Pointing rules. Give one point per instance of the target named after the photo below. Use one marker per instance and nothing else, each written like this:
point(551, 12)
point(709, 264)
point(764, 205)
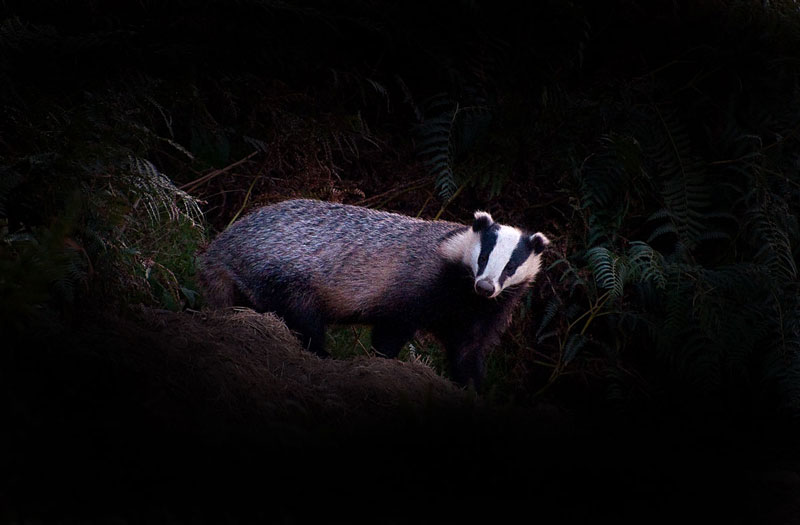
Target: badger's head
point(499, 256)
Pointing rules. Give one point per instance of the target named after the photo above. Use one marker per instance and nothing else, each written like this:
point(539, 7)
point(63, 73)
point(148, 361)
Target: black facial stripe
point(488, 240)
point(520, 254)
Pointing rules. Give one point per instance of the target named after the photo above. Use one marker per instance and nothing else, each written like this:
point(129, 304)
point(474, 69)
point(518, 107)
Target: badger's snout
point(484, 287)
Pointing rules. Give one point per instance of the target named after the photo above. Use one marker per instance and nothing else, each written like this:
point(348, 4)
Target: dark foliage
point(657, 143)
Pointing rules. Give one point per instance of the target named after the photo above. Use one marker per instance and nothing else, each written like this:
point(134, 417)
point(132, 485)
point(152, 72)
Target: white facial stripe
point(475, 252)
point(507, 240)
point(526, 272)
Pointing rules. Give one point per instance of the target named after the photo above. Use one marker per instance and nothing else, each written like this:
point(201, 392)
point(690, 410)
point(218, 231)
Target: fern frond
point(157, 192)
point(9, 180)
point(641, 264)
point(258, 144)
point(664, 229)
point(648, 264)
point(609, 269)
point(550, 311)
point(604, 179)
point(408, 98)
point(574, 344)
point(435, 145)
point(445, 135)
point(763, 221)
point(570, 274)
point(686, 190)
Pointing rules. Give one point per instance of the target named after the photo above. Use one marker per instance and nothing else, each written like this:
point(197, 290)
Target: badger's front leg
point(310, 324)
point(467, 362)
point(467, 351)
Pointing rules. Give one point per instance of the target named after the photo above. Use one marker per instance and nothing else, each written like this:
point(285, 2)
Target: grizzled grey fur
point(315, 263)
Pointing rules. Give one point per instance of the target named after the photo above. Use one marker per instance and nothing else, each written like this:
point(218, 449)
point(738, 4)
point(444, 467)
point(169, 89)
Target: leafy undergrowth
point(655, 143)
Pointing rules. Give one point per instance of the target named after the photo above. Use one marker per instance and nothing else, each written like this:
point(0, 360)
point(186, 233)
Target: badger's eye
point(483, 258)
point(510, 268)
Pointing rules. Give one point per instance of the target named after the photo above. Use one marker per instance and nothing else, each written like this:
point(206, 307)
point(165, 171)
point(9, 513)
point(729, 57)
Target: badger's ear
point(537, 242)
point(482, 221)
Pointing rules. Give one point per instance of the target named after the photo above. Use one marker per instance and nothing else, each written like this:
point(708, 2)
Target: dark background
point(653, 371)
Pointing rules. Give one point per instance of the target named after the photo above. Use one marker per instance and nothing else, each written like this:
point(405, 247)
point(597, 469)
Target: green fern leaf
point(550, 312)
point(574, 343)
point(608, 269)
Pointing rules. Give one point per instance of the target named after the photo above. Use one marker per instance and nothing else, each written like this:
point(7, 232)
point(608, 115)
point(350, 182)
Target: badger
point(314, 263)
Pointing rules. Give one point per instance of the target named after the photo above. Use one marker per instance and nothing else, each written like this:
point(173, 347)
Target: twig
point(545, 204)
point(244, 204)
point(451, 199)
point(386, 201)
point(394, 192)
point(558, 369)
point(357, 341)
point(424, 205)
point(190, 186)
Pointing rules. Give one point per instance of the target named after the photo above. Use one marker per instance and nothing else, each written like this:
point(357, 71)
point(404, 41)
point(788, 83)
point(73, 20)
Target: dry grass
point(238, 367)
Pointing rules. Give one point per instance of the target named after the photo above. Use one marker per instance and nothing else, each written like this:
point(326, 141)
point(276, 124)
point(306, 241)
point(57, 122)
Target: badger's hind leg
point(388, 339)
point(221, 289)
point(310, 324)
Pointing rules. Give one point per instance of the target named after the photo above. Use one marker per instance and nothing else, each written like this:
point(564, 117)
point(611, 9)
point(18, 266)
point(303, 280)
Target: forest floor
point(222, 416)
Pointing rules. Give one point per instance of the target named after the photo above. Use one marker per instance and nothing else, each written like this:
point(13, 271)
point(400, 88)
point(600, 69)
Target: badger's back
point(349, 262)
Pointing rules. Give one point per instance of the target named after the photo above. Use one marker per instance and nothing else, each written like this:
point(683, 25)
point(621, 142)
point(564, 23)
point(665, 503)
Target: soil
point(209, 417)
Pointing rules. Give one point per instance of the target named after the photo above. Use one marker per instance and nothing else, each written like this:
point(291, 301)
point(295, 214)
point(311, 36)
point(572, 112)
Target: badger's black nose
point(484, 288)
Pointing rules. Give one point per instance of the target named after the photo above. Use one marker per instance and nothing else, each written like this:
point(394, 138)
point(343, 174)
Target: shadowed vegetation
point(657, 144)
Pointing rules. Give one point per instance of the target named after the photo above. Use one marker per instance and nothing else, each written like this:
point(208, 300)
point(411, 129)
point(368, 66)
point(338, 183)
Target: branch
point(190, 186)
